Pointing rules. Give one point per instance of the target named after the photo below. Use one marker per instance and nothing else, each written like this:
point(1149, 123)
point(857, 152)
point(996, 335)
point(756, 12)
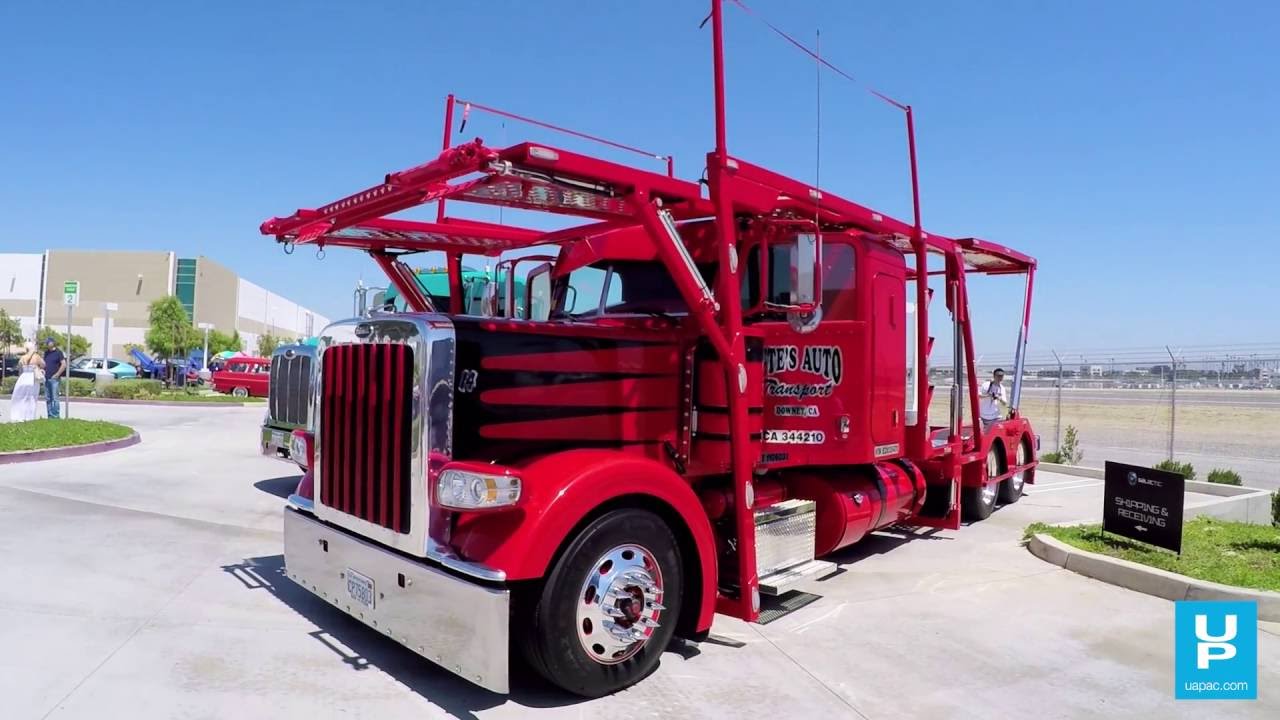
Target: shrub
point(79, 387)
point(1184, 469)
point(1070, 451)
point(132, 389)
point(1051, 457)
point(1224, 476)
point(121, 391)
point(1275, 508)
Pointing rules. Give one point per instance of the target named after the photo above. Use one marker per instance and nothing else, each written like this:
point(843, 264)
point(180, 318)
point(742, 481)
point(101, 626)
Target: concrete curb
point(1149, 580)
point(21, 456)
point(154, 403)
point(1076, 470)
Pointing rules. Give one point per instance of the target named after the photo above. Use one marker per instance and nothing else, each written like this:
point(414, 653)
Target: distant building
point(31, 290)
point(1091, 371)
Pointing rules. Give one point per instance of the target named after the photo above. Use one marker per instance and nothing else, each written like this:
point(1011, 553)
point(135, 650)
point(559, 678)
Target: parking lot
point(146, 583)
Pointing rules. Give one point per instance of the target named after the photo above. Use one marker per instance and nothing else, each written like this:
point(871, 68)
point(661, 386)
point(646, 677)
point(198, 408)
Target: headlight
point(470, 490)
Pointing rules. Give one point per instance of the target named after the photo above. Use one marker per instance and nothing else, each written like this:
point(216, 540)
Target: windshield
point(620, 288)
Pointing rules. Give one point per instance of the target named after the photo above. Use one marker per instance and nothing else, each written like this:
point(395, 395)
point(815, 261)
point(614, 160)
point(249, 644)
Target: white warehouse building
point(31, 287)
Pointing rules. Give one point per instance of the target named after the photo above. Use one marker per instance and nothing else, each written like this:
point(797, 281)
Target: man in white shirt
point(993, 401)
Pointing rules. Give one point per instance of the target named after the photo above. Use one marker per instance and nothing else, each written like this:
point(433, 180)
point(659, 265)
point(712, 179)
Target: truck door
point(888, 343)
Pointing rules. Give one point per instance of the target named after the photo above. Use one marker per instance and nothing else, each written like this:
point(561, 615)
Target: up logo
point(1211, 647)
point(1216, 650)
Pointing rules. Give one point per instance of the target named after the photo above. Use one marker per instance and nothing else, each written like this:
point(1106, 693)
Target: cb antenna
point(817, 154)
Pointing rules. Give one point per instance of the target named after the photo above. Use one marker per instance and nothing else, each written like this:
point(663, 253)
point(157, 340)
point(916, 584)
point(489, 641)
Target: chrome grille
point(289, 390)
point(366, 412)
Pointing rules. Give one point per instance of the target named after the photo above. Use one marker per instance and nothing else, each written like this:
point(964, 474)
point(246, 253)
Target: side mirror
point(537, 293)
point(481, 297)
point(806, 272)
point(806, 283)
point(488, 299)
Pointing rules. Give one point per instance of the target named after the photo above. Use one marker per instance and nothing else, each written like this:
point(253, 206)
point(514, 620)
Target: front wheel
point(240, 392)
point(609, 606)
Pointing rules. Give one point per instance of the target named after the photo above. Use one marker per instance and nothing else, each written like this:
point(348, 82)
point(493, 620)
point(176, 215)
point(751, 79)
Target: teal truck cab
point(289, 399)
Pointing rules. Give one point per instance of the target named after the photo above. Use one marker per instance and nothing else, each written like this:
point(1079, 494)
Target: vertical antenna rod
point(717, 65)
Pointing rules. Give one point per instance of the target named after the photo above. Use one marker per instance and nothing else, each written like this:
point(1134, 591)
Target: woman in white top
point(26, 392)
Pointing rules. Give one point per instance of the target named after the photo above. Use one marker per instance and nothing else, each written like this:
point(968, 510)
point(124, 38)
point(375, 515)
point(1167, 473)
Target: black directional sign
point(1144, 504)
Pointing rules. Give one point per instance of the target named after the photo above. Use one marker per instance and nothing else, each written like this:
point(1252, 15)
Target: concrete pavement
point(146, 583)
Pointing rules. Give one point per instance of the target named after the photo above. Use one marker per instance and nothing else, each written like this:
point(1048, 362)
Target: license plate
point(795, 437)
point(360, 588)
point(277, 439)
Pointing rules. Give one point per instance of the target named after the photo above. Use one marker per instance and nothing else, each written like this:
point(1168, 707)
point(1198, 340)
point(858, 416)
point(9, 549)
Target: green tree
point(79, 343)
point(10, 335)
point(222, 342)
point(267, 344)
point(171, 334)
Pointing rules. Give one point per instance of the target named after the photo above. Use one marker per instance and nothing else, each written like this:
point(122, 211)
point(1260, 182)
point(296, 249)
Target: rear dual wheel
point(1011, 489)
point(603, 616)
point(977, 503)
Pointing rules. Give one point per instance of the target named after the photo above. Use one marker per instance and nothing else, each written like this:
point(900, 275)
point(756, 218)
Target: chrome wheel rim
point(1019, 477)
point(619, 605)
point(993, 469)
point(240, 392)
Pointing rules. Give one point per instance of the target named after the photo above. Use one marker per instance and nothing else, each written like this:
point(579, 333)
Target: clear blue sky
point(1132, 147)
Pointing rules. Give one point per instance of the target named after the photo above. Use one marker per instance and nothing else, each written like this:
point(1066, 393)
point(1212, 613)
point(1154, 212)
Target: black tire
point(978, 502)
point(1011, 489)
point(549, 623)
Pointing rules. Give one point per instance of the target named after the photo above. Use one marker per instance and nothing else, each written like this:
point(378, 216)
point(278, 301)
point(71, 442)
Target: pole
point(66, 377)
point(1173, 400)
point(106, 335)
point(206, 349)
point(1057, 428)
point(720, 176)
point(923, 397)
point(444, 144)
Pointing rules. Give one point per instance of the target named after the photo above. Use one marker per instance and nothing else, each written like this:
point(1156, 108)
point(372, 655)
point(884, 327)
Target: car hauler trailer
point(585, 480)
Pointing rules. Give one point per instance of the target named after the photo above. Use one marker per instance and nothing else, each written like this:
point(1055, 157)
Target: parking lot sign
point(71, 293)
point(1143, 504)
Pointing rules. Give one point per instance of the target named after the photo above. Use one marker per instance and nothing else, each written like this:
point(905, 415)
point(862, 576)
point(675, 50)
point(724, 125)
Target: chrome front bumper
point(275, 442)
point(460, 625)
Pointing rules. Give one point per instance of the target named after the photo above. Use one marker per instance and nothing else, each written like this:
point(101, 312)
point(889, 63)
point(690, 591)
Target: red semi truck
point(702, 396)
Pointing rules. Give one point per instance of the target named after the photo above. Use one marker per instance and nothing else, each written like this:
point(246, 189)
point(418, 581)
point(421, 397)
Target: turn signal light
point(300, 448)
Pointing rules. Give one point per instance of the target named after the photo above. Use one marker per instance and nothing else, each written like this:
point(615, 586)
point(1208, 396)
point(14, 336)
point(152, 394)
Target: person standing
point(22, 405)
point(55, 366)
point(993, 399)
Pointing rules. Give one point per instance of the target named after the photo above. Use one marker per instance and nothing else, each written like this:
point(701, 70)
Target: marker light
point(300, 448)
point(470, 490)
point(542, 153)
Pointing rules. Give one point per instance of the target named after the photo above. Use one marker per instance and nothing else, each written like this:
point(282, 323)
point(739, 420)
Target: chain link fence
point(1213, 412)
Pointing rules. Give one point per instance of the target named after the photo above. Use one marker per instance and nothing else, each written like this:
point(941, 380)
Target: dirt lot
point(1236, 429)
